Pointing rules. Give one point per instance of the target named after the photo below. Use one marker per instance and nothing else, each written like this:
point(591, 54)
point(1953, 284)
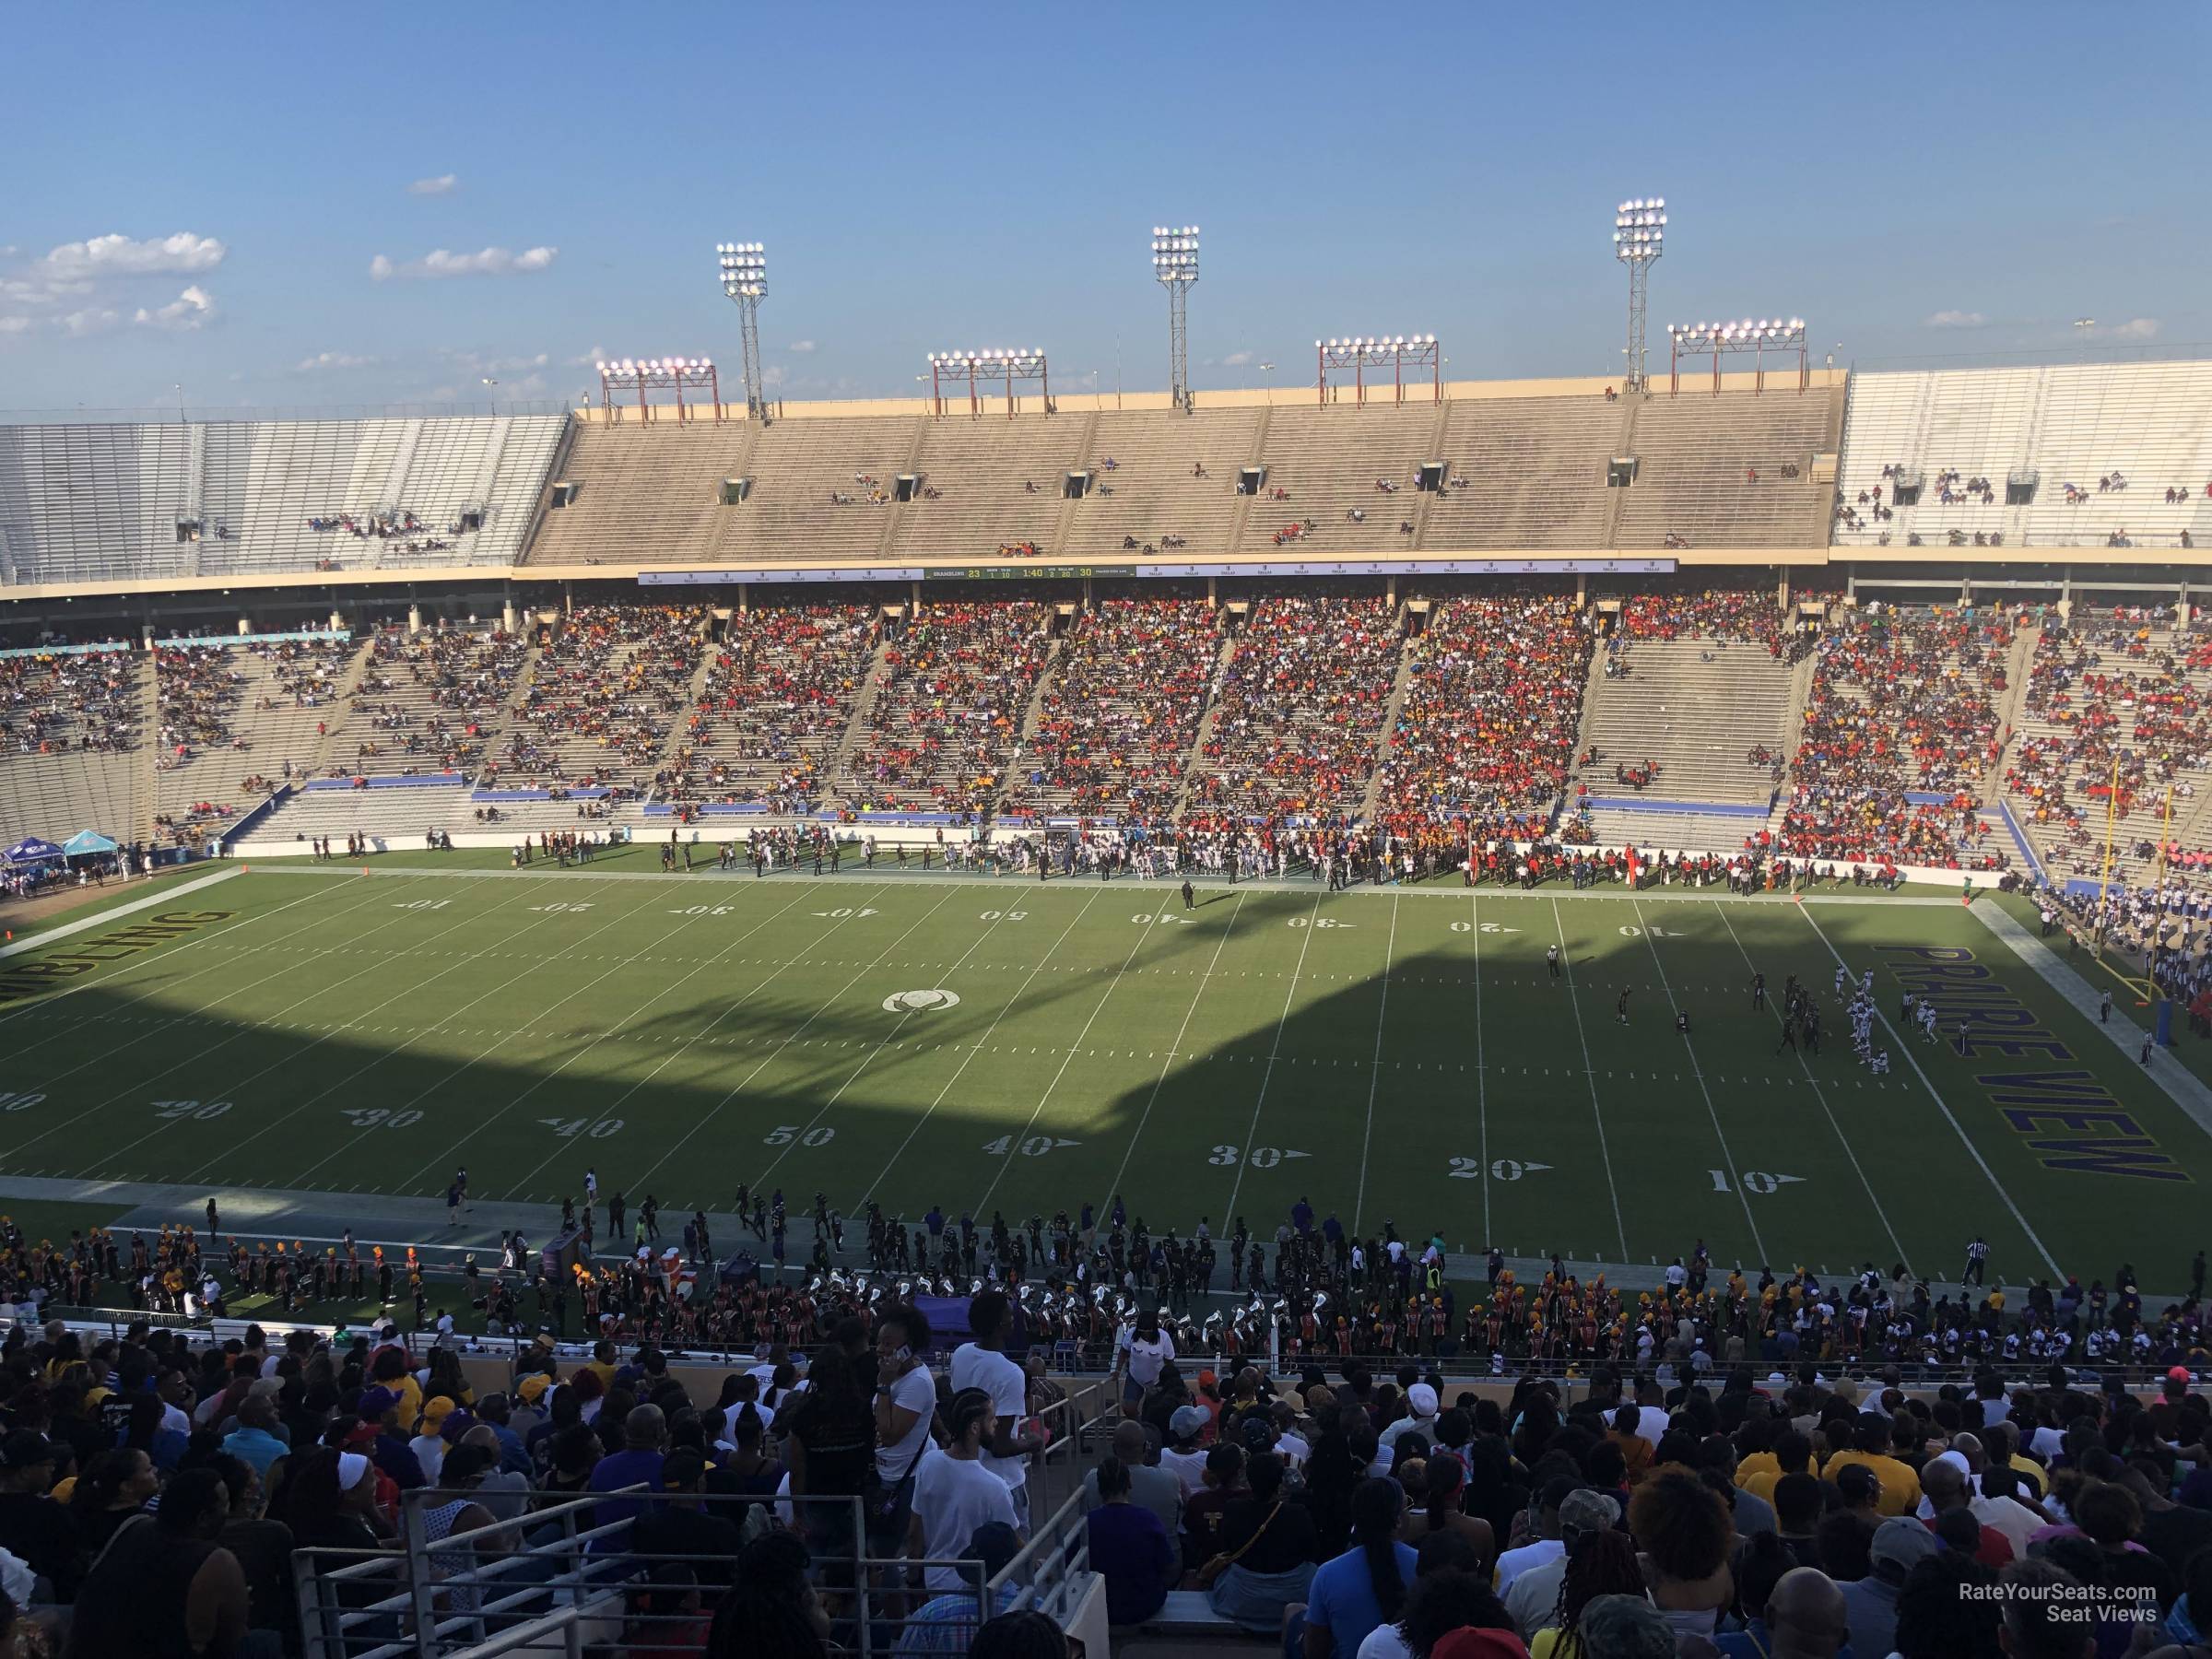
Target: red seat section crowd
point(948, 709)
point(1486, 732)
point(1114, 734)
point(1901, 702)
point(1300, 708)
point(607, 690)
point(777, 700)
point(1712, 614)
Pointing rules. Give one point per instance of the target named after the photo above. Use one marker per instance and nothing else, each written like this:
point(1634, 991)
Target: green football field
point(1390, 1055)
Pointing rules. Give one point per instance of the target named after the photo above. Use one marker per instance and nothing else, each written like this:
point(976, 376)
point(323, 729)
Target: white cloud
point(192, 309)
point(116, 255)
point(1956, 319)
point(774, 375)
point(92, 320)
point(586, 359)
point(2135, 328)
point(14, 324)
point(1237, 360)
point(801, 347)
point(443, 185)
point(326, 361)
point(443, 262)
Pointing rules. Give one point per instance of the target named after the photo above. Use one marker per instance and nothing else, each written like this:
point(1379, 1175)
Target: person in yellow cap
point(428, 1444)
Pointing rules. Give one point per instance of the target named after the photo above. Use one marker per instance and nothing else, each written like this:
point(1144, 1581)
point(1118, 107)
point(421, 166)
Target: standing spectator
point(955, 1492)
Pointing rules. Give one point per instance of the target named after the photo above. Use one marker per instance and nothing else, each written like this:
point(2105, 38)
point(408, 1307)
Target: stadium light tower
point(744, 281)
point(1175, 263)
point(1639, 238)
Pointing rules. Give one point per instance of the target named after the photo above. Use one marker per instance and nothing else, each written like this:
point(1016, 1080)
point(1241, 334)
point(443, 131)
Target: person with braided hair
point(1601, 1563)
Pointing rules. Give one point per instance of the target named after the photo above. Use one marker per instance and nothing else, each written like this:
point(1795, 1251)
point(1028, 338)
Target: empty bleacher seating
point(1151, 494)
point(1696, 455)
point(1524, 471)
point(1333, 461)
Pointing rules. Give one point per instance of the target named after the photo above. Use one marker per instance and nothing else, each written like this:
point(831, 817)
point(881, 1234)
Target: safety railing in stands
point(561, 1576)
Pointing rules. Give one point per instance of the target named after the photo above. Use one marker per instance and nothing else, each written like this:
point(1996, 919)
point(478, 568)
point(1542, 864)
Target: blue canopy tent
point(86, 841)
point(31, 850)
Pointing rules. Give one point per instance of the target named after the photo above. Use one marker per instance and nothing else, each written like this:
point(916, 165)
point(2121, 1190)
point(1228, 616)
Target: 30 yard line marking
point(78, 1120)
point(1374, 1072)
point(424, 1094)
point(974, 1049)
point(776, 1046)
point(1821, 1095)
point(1305, 937)
point(1589, 1076)
point(1175, 1048)
point(1942, 1106)
point(110, 1050)
point(1697, 1071)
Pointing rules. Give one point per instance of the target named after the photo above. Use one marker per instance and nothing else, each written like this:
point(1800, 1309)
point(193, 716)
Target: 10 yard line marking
point(1944, 1106)
point(777, 1046)
point(1590, 1075)
point(976, 1048)
point(1175, 1048)
point(1374, 1072)
point(1267, 1076)
point(1697, 1071)
point(1819, 1094)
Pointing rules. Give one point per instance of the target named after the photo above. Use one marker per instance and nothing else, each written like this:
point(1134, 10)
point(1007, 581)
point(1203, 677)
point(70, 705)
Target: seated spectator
point(1129, 1548)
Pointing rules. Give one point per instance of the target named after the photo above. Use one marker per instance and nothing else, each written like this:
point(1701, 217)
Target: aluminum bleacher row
point(91, 502)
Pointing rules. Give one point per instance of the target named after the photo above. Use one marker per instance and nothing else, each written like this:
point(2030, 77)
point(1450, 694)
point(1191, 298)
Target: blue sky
point(318, 207)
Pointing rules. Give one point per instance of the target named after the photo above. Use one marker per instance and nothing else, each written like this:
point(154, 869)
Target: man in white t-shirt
point(955, 1492)
point(981, 1364)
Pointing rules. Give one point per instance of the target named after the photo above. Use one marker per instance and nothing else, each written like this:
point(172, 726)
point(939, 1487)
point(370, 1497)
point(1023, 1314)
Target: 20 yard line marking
point(1589, 1076)
point(1374, 1074)
point(1696, 1071)
point(974, 1049)
point(1305, 937)
point(1176, 1047)
point(1821, 1095)
point(1942, 1106)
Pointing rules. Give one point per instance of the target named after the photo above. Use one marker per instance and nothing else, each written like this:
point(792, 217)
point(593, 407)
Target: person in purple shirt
point(645, 1437)
point(1130, 1548)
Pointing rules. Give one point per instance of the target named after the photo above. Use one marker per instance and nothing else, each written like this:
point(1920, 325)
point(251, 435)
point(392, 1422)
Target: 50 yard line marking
point(1821, 1095)
point(1175, 1048)
point(1942, 1106)
point(776, 1050)
point(976, 1048)
point(1305, 938)
point(1374, 1070)
point(1590, 1075)
point(1698, 1072)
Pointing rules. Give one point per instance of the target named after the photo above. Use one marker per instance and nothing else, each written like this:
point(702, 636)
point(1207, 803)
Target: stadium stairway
point(1373, 798)
point(1696, 718)
point(678, 736)
point(1195, 762)
point(864, 706)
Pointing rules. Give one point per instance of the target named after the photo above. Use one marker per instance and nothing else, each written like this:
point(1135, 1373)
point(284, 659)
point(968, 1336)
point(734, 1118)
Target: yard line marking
point(1944, 1106)
point(727, 1011)
point(974, 1049)
point(1374, 1074)
point(1698, 1072)
point(1175, 1047)
point(1590, 1076)
point(1482, 1091)
point(775, 1046)
point(151, 959)
point(242, 1030)
point(1305, 937)
point(547, 1078)
point(198, 1008)
point(1112, 985)
point(347, 1145)
point(1804, 1066)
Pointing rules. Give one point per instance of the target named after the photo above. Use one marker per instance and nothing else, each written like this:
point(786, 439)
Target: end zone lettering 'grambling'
point(32, 975)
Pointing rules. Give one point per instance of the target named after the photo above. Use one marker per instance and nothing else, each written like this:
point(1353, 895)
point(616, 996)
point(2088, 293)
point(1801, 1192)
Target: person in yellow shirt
point(1900, 1485)
point(1792, 1454)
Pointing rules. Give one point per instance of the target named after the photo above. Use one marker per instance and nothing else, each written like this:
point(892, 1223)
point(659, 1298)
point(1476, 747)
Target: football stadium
point(692, 1017)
